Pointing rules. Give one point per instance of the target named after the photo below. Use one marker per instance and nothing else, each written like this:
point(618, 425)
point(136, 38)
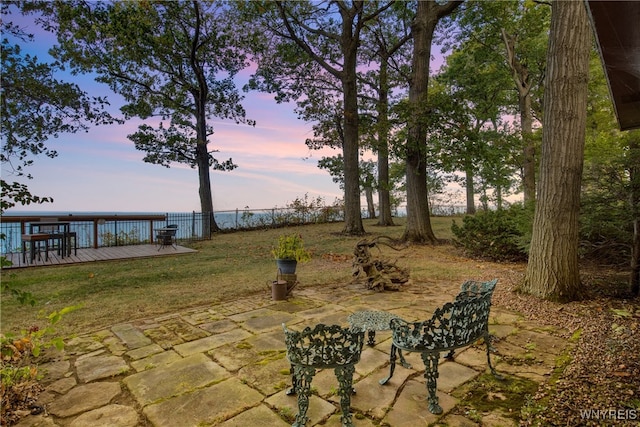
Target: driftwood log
point(380, 274)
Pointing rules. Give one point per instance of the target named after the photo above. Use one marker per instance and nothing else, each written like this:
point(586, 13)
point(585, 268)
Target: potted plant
point(289, 252)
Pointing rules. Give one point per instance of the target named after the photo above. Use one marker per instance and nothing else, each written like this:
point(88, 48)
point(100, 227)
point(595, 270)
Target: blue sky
point(102, 171)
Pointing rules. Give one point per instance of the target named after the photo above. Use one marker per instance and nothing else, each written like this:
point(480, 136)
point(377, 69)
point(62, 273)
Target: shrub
point(291, 246)
point(502, 235)
point(19, 374)
point(606, 228)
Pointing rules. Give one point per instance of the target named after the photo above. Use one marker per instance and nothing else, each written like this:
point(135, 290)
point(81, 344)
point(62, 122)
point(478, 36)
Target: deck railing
point(94, 231)
point(91, 230)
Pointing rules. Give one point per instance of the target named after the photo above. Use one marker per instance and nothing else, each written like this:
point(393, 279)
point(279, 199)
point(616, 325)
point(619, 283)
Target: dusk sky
point(102, 171)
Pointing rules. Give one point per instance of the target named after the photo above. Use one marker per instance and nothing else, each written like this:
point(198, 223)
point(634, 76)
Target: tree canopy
point(171, 61)
point(36, 106)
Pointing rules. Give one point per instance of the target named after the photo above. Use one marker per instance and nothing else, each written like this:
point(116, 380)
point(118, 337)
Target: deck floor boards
point(100, 254)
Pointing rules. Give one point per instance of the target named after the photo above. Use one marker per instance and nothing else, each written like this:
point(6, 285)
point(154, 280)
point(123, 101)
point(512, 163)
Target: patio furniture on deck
point(167, 236)
point(56, 236)
point(35, 240)
point(59, 233)
point(323, 347)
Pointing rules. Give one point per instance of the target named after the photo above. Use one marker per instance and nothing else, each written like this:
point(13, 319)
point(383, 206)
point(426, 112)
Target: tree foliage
point(172, 61)
point(326, 37)
point(470, 99)
point(512, 35)
point(384, 79)
point(36, 106)
point(610, 204)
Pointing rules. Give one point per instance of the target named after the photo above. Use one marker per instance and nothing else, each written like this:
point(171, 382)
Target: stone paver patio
point(226, 365)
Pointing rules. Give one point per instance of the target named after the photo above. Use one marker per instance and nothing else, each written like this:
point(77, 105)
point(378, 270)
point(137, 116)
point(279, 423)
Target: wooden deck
point(100, 254)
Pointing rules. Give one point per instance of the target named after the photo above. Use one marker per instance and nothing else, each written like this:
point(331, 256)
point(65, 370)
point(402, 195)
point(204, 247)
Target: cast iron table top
point(371, 321)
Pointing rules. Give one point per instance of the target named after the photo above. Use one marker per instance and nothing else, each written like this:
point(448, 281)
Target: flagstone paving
point(226, 365)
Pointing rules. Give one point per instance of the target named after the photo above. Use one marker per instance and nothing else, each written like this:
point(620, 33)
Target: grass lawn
point(601, 371)
point(228, 266)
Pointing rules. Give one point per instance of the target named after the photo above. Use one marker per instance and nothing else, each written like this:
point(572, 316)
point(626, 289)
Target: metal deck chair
point(167, 236)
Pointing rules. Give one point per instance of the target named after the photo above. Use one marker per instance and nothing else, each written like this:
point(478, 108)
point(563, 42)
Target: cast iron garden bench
point(323, 347)
point(454, 325)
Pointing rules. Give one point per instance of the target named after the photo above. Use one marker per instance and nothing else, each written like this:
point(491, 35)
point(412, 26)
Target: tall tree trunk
point(384, 196)
point(418, 227)
point(204, 189)
point(553, 272)
point(371, 208)
point(468, 182)
point(352, 215)
point(202, 150)
point(202, 162)
point(528, 150)
point(349, 45)
point(634, 201)
point(520, 75)
point(484, 199)
point(349, 40)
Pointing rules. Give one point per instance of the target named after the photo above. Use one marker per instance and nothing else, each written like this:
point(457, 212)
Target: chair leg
point(345, 381)
point(294, 382)
point(431, 376)
point(304, 375)
point(487, 340)
point(403, 362)
point(392, 365)
point(36, 247)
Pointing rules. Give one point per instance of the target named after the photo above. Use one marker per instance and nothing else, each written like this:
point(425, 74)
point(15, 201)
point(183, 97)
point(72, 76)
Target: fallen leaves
point(605, 368)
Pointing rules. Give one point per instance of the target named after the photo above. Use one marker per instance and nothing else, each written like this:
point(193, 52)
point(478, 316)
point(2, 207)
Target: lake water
point(124, 232)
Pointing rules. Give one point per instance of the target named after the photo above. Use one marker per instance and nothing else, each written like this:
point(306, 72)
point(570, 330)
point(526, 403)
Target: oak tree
point(418, 228)
point(172, 62)
point(512, 34)
point(385, 53)
point(327, 35)
point(552, 271)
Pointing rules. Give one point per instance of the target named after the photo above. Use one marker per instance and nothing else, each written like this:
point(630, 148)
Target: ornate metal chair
point(456, 324)
point(472, 288)
point(323, 347)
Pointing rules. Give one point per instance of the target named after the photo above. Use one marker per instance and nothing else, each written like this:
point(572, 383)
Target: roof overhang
point(616, 26)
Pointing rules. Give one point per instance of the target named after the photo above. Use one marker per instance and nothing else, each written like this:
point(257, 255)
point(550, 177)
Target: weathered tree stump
point(381, 274)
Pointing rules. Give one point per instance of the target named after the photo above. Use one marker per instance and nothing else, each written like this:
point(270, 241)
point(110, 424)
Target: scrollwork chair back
point(456, 324)
point(323, 347)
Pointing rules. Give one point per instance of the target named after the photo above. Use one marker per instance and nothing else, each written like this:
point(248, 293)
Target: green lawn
point(229, 266)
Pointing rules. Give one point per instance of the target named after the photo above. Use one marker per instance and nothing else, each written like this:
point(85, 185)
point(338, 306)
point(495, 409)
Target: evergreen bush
point(502, 235)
